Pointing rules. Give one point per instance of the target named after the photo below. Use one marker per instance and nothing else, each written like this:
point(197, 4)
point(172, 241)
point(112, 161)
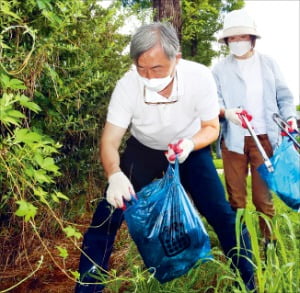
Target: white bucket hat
point(238, 22)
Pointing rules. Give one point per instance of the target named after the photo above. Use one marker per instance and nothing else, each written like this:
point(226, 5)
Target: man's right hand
point(119, 188)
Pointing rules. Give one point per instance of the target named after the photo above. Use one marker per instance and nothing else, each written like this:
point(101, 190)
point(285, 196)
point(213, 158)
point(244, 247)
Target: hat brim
point(236, 31)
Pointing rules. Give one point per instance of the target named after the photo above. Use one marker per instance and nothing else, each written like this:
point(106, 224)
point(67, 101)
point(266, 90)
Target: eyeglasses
point(162, 103)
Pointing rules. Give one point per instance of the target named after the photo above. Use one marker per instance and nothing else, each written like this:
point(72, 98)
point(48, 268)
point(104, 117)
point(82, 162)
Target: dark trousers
point(199, 178)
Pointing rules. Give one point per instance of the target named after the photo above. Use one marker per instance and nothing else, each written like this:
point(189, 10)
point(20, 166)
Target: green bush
point(69, 57)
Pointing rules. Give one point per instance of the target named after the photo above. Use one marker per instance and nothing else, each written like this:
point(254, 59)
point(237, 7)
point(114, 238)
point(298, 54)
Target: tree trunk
point(168, 10)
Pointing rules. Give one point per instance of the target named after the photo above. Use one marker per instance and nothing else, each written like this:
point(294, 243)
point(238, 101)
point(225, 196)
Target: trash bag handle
point(284, 126)
point(176, 169)
point(267, 161)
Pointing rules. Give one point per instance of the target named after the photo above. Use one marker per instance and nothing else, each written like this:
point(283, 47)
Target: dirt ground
point(27, 258)
point(18, 263)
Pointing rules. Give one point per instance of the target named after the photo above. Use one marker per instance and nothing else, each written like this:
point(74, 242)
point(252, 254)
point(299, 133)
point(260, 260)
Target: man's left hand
point(180, 149)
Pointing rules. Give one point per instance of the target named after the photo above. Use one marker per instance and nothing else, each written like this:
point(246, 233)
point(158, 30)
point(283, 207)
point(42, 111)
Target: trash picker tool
point(281, 172)
point(267, 161)
point(284, 127)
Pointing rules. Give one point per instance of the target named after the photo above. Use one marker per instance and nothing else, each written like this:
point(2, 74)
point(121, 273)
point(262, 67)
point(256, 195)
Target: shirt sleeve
point(208, 106)
point(119, 109)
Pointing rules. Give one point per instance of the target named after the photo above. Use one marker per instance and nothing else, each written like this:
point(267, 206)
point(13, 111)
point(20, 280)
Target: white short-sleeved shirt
point(158, 125)
point(250, 69)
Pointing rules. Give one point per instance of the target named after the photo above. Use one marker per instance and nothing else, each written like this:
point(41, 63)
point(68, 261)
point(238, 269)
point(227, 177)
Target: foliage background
point(65, 57)
point(60, 61)
point(76, 61)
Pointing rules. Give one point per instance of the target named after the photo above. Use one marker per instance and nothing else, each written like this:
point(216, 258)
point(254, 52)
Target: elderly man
point(170, 106)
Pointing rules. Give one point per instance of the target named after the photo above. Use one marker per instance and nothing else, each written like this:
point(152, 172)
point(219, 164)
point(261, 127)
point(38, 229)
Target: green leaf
point(26, 136)
point(13, 83)
point(42, 194)
point(63, 252)
point(71, 231)
point(49, 165)
point(8, 115)
point(8, 120)
point(39, 159)
point(4, 79)
point(26, 210)
point(61, 195)
point(4, 46)
point(29, 171)
point(15, 114)
point(6, 101)
point(25, 102)
point(41, 176)
point(54, 19)
point(58, 195)
point(75, 274)
point(42, 4)
point(54, 198)
point(16, 84)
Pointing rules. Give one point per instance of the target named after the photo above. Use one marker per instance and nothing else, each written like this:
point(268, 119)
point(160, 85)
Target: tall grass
point(277, 268)
point(276, 272)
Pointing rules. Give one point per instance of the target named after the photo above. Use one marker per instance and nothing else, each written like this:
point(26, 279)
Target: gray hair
point(149, 35)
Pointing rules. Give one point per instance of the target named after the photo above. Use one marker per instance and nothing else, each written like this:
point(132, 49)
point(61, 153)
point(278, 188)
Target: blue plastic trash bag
point(166, 228)
point(285, 180)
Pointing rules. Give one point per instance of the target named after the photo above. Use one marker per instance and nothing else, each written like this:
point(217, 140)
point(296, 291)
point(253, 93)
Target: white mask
point(156, 84)
point(240, 48)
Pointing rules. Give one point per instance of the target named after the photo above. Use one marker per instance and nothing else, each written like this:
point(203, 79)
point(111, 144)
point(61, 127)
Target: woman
point(251, 82)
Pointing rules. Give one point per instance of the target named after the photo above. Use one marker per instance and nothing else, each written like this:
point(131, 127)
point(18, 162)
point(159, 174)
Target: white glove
point(231, 115)
point(181, 150)
point(119, 188)
point(293, 123)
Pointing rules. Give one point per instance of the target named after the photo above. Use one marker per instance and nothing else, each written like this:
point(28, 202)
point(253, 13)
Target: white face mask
point(156, 84)
point(240, 48)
